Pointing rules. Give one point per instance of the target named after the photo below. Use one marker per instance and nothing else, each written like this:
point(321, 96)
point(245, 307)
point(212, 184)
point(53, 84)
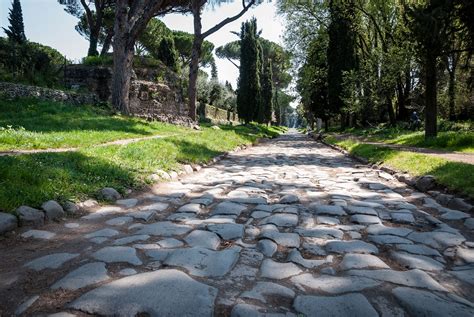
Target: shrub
point(30, 63)
point(106, 60)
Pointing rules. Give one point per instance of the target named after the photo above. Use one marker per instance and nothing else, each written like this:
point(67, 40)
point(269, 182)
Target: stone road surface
point(286, 228)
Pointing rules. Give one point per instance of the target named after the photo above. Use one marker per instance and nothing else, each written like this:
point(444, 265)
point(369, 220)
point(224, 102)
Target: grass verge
point(453, 175)
point(459, 141)
point(35, 178)
point(35, 124)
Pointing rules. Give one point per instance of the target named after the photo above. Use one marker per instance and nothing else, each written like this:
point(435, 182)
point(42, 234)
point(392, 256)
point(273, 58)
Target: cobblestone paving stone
point(286, 228)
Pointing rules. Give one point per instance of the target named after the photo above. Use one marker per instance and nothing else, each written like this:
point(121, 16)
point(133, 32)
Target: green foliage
point(96, 22)
point(30, 63)
point(341, 54)
point(249, 89)
point(267, 92)
point(156, 30)
point(167, 53)
point(16, 30)
point(106, 60)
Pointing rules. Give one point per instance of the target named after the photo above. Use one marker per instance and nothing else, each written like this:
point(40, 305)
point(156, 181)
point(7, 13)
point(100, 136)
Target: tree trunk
point(391, 113)
point(452, 91)
point(107, 43)
point(93, 41)
point(430, 96)
point(326, 125)
point(123, 58)
point(194, 64)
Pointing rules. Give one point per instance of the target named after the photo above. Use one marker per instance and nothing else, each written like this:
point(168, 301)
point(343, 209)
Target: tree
point(94, 13)
point(196, 7)
point(341, 51)
point(429, 25)
point(267, 92)
point(248, 92)
point(167, 53)
point(16, 29)
point(131, 18)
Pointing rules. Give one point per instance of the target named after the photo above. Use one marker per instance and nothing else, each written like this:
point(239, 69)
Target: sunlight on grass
point(36, 124)
point(450, 174)
point(76, 175)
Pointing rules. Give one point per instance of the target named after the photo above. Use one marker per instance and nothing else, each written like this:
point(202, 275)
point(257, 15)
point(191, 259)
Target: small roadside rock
point(70, 207)
point(52, 210)
point(425, 183)
point(30, 216)
point(8, 222)
point(110, 194)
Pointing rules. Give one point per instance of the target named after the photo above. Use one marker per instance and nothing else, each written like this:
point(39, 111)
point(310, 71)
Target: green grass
point(33, 179)
point(450, 174)
point(461, 140)
point(35, 124)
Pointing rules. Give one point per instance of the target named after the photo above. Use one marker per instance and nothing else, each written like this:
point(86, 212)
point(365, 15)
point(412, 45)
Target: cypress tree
point(248, 93)
point(167, 53)
point(341, 53)
point(267, 92)
point(16, 30)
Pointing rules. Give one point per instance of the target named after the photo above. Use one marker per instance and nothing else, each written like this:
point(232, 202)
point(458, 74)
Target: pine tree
point(16, 30)
point(267, 92)
point(249, 79)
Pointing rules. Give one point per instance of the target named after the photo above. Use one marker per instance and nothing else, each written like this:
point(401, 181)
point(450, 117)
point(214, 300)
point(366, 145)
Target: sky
point(47, 23)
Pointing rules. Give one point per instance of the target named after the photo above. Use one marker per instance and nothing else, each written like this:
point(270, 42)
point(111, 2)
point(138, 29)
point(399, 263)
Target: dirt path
point(74, 149)
point(286, 228)
point(467, 158)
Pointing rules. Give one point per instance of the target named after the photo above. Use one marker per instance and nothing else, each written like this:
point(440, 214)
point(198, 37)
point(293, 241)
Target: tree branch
point(218, 26)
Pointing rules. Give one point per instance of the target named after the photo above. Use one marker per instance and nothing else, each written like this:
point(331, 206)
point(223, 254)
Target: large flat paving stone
point(228, 208)
point(424, 303)
point(286, 239)
point(227, 231)
point(362, 261)
point(466, 276)
point(38, 234)
point(415, 261)
point(203, 238)
point(334, 284)
point(117, 254)
point(281, 220)
point(278, 271)
point(158, 293)
point(107, 232)
point(350, 305)
point(86, 275)
point(365, 219)
point(52, 261)
point(437, 239)
point(379, 229)
point(321, 232)
point(165, 229)
point(331, 210)
point(414, 278)
point(203, 262)
point(267, 289)
point(353, 246)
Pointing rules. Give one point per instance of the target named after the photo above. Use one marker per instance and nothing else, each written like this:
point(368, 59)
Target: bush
point(30, 63)
point(106, 60)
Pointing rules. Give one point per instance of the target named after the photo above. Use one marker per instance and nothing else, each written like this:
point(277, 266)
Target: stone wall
point(217, 115)
point(12, 90)
point(155, 92)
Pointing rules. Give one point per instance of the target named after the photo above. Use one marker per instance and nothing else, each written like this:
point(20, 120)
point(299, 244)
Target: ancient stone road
point(286, 228)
